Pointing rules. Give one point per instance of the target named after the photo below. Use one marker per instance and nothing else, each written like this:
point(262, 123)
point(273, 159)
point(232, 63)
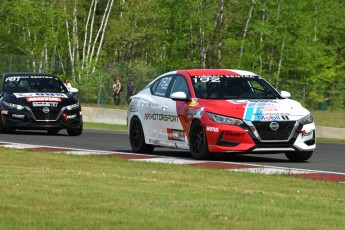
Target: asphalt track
point(327, 157)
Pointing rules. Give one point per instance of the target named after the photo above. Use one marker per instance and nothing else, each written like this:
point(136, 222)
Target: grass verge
point(93, 125)
point(329, 118)
point(56, 191)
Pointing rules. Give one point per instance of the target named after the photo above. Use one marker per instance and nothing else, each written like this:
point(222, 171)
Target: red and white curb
point(229, 166)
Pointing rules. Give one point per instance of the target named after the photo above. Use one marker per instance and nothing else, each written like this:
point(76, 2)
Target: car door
point(155, 111)
point(162, 119)
point(176, 134)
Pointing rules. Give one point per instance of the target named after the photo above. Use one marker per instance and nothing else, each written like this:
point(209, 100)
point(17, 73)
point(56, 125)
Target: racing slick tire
point(198, 142)
point(137, 137)
point(2, 128)
point(75, 131)
point(299, 156)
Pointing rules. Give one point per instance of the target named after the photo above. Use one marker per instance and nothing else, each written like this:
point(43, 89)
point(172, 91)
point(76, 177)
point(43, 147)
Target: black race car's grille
point(52, 115)
point(267, 134)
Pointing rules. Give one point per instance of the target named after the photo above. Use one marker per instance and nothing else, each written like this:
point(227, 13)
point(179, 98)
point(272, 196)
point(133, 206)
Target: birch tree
point(94, 34)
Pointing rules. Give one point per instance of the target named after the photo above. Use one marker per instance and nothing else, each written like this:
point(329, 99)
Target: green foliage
point(296, 45)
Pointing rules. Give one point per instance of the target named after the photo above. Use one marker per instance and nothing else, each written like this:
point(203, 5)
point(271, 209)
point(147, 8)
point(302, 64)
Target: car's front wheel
point(75, 131)
point(137, 137)
point(198, 142)
point(2, 128)
point(299, 156)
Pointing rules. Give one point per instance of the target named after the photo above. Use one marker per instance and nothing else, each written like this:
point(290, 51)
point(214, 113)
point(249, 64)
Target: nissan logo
point(274, 126)
point(45, 110)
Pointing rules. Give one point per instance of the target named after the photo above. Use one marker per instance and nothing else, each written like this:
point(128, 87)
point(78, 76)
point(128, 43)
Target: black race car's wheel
point(75, 131)
point(198, 142)
point(2, 128)
point(137, 137)
point(53, 131)
point(299, 156)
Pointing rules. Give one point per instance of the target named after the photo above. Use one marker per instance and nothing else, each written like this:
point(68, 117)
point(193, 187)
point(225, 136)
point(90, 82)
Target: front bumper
point(26, 120)
point(258, 138)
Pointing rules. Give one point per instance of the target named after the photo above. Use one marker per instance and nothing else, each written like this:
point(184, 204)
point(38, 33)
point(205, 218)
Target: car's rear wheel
point(75, 131)
point(137, 137)
point(198, 142)
point(299, 156)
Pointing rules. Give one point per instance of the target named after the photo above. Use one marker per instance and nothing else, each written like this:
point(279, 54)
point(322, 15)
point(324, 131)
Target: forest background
point(296, 45)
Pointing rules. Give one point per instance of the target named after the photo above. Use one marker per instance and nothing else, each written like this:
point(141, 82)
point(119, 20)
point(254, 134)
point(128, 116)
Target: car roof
point(26, 74)
point(200, 72)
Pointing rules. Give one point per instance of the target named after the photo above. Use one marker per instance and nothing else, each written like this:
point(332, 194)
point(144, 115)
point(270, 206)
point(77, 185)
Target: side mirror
point(179, 96)
point(74, 90)
point(285, 94)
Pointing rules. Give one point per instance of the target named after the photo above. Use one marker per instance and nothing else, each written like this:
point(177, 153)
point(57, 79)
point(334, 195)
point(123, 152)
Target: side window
point(161, 86)
point(180, 84)
point(257, 87)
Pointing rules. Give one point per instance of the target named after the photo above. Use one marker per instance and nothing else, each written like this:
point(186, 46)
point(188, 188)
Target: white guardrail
point(118, 116)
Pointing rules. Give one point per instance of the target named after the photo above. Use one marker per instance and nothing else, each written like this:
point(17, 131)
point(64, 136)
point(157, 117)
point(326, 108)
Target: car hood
point(256, 110)
point(26, 99)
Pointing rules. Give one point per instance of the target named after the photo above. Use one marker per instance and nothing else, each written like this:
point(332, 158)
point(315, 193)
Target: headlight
point(223, 119)
point(13, 106)
point(307, 119)
point(72, 107)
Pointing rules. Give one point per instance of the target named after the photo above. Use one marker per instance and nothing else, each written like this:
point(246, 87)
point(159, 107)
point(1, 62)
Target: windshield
point(25, 83)
point(233, 87)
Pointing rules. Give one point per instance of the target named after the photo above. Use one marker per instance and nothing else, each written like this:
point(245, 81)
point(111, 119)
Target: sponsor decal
point(161, 117)
point(175, 135)
point(154, 141)
point(17, 78)
point(44, 104)
point(305, 134)
point(264, 101)
point(71, 116)
point(263, 110)
point(268, 109)
point(18, 116)
point(32, 99)
point(216, 78)
point(234, 134)
point(194, 102)
point(212, 129)
point(20, 95)
point(270, 118)
point(198, 113)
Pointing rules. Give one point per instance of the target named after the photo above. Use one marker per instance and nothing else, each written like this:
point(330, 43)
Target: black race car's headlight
point(223, 119)
point(72, 107)
point(307, 119)
point(13, 106)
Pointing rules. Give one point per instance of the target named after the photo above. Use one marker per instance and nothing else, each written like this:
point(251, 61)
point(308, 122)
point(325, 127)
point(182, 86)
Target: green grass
point(93, 125)
point(329, 118)
point(56, 191)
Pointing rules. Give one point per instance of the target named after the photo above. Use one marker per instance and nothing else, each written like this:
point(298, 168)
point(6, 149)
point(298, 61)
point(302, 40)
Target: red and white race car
point(219, 111)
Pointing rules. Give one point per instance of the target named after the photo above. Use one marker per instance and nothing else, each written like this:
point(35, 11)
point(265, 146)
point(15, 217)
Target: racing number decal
point(206, 79)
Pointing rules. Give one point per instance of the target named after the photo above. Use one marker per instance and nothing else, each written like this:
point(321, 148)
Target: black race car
point(38, 101)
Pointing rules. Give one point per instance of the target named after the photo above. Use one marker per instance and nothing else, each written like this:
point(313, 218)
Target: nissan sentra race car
point(219, 111)
point(38, 101)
